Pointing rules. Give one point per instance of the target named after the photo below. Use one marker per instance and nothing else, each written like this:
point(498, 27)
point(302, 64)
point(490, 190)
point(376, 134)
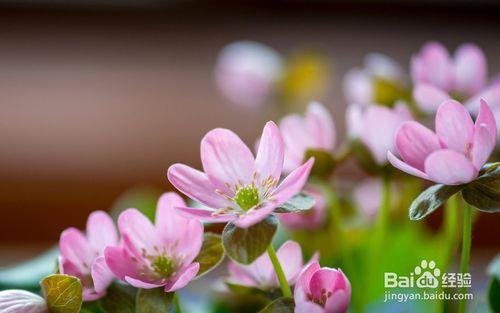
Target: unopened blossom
point(314, 131)
point(381, 81)
point(261, 274)
point(159, 255)
point(310, 219)
point(454, 153)
point(322, 290)
point(438, 76)
point(236, 185)
point(82, 255)
point(247, 72)
point(21, 301)
point(375, 126)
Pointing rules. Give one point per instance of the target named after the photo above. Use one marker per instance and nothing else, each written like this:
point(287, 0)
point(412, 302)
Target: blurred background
point(97, 97)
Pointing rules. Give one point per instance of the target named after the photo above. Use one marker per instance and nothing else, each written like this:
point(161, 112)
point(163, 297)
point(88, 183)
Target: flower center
point(164, 266)
point(322, 300)
point(247, 197)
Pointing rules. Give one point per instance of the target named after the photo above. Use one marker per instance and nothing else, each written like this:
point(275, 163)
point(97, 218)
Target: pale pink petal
point(205, 215)
point(290, 257)
point(454, 126)
point(69, 268)
point(450, 168)
point(295, 136)
point(302, 286)
point(182, 278)
point(308, 307)
point(195, 184)
point(382, 66)
point(320, 125)
point(226, 159)
point(254, 216)
point(101, 275)
point(415, 142)
point(270, 155)
point(482, 146)
point(337, 303)
point(74, 247)
point(101, 231)
point(486, 118)
point(433, 66)
point(429, 97)
point(120, 262)
point(91, 295)
point(293, 183)
point(367, 196)
point(262, 271)
point(357, 86)
point(470, 69)
point(137, 231)
point(238, 275)
point(141, 284)
point(490, 94)
point(354, 120)
point(21, 301)
point(397, 163)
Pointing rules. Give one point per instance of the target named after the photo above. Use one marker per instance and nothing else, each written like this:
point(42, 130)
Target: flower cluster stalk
point(466, 247)
point(285, 289)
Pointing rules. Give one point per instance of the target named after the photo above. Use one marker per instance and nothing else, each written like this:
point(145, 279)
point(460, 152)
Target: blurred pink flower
point(375, 126)
point(261, 273)
point(310, 219)
point(316, 130)
point(359, 83)
point(237, 186)
point(368, 196)
point(82, 255)
point(21, 301)
point(455, 153)
point(246, 72)
point(159, 255)
point(322, 290)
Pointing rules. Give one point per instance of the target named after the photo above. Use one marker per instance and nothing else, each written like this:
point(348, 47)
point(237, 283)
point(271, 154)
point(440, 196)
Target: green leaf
point(431, 199)
point(324, 163)
point(494, 267)
point(63, 293)
point(244, 245)
point(484, 192)
point(281, 305)
point(298, 203)
point(211, 253)
point(494, 295)
point(153, 301)
point(119, 298)
point(91, 307)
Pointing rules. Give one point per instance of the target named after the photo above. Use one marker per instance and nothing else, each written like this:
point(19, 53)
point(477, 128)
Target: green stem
point(466, 245)
point(383, 215)
point(285, 289)
point(177, 303)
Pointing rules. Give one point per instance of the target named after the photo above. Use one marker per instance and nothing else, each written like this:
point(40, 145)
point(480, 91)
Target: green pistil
point(247, 197)
point(164, 266)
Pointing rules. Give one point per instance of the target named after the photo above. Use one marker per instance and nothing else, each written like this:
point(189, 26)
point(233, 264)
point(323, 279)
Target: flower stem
point(383, 216)
point(466, 245)
point(285, 289)
point(177, 303)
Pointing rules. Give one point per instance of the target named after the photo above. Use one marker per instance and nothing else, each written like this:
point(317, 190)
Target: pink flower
point(437, 75)
point(359, 84)
point(322, 290)
point(159, 255)
point(261, 274)
point(246, 72)
point(316, 131)
point(310, 219)
point(20, 301)
point(368, 194)
point(455, 153)
point(237, 186)
point(376, 127)
point(82, 255)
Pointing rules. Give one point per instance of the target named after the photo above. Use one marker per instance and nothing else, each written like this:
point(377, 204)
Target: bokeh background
point(97, 97)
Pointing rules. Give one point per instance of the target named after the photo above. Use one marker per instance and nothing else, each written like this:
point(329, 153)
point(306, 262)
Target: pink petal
point(119, 262)
point(205, 215)
point(490, 94)
point(239, 275)
point(290, 257)
point(74, 247)
point(302, 286)
point(320, 125)
point(226, 159)
point(337, 303)
point(295, 136)
point(252, 217)
point(182, 278)
point(21, 301)
point(141, 284)
point(433, 66)
point(357, 86)
point(91, 295)
point(415, 142)
point(101, 230)
point(486, 118)
point(382, 66)
point(454, 126)
point(354, 120)
point(450, 168)
point(270, 155)
point(397, 163)
point(138, 232)
point(482, 146)
point(69, 268)
point(429, 97)
point(327, 279)
point(308, 307)
point(101, 275)
point(195, 184)
point(293, 183)
point(470, 69)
